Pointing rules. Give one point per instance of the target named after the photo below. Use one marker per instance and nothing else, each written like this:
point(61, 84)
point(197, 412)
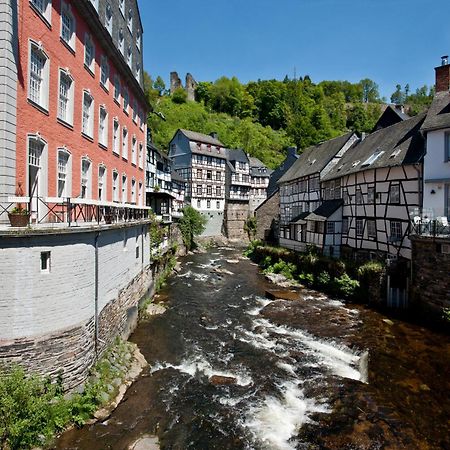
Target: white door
point(34, 177)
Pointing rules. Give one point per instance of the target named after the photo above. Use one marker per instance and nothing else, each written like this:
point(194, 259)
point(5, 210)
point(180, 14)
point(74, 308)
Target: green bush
point(306, 278)
point(284, 268)
point(346, 286)
point(323, 280)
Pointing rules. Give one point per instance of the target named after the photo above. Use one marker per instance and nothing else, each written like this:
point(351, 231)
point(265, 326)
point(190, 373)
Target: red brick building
point(80, 106)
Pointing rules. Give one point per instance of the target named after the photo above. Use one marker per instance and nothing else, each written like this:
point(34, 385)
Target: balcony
point(55, 212)
point(239, 180)
point(424, 223)
point(238, 196)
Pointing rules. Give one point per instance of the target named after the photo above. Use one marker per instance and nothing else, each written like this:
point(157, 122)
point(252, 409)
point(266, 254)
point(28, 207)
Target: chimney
point(291, 151)
point(443, 75)
point(214, 135)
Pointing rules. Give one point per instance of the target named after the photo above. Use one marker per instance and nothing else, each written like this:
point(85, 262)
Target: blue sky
point(390, 41)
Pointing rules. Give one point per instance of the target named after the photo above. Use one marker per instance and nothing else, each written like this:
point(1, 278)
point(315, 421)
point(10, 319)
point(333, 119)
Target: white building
point(200, 159)
point(260, 177)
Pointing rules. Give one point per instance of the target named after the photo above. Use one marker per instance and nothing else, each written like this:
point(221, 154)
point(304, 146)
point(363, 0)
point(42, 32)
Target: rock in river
point(283, 294)
point(222, 380)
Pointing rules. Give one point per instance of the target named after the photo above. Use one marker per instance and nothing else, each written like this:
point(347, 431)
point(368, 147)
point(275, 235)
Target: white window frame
point(359, 227)
point(130, 20)
point(64, 177)
point(121, 41)
point(130, 57)
point(371, 225)
point(138, 71)
point(42, 78)
point(116, 137)
point(66, 9)
point(103, 126)
point(138, 39)
point(331, 227)
point(87, 129)
point(104, 72)
point(102, 181)
point(115, 185)
point(141, 155)
point(345, 224)
point(68, 118)
point(89, 44)
point(122, 7)
point(134, 150)
point(133, 190)
point(87, 180)
point(117, 88)
point(126, 99)
point(125, 143)
point(108, 23)
point(124, 181)
point(395, 230)
point(394, 194)
point(44, 9)
point(134, 115)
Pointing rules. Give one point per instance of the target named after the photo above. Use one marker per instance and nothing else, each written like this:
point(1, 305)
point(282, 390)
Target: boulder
point(219, 380)
point(145, 443)
point(283, 294)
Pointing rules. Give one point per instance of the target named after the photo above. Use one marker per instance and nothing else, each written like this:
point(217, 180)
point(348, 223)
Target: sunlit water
point(300, 369)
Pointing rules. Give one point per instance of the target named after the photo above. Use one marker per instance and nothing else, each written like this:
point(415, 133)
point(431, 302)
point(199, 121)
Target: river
point(313, 373)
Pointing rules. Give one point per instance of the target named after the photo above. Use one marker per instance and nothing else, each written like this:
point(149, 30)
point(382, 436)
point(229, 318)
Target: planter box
point(19, 220)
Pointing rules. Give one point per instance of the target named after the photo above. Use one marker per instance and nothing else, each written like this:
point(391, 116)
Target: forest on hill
point(266, 116)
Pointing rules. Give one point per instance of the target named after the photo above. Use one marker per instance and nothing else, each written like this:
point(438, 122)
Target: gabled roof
point(439, 113)
point(200, 137)
point(255, 162)
point(401, 143)
point(391, 115)
point(237, 155)
point(315, 158)
point(325, 210)
point(300, 218)
point(291, 157)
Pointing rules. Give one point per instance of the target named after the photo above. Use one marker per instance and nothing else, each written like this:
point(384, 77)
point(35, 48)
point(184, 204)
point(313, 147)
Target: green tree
point(370, 92)
point(159, 86)
point(398, 97)
point(250, 227)
point(191, 224)
point(179, 96)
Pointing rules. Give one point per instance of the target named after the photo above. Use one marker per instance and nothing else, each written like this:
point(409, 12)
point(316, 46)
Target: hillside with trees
point(266, 116)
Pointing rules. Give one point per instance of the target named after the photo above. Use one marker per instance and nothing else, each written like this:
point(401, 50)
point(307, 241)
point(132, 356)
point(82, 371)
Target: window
point(141, 156)
point(133, 190)
point(199, 174)
point(63, 174)
point(394, 194)
point(44, 7)
point(218, 191)
point(218, 176)
point(121, 42)
point(126, 99)
point(124, 189)
point(447, 201)
point(116, 137)
point(130, 20)
point(208, 204)
point(88, 114)
point(115, 186)
point(39, 76)
point(447, 147)
point(370, 195)
point(208, 190)
point(133, 150)
point(85, 178)
point(129, 57)
point(199, 190)
point(108, 18)
point(95, 4)
point(103, 126)
point(141, 194)
point(135, 108)
point(117, 88)
point(89, 53)
point(359, 197)
point(138, 71)
point(359, 227)
point(138, 39)
point(125, 143)
point(65, 100)
point(45, 261)
point(371, 229)
point(345, 225)
point(372, 159)
point(208, 175)
point(104, 72)
point(217, 205)
point(122, 7)
point(102, 183)
point(396, 230)
point(67, 25)
point(330, 227)
point(198, 204)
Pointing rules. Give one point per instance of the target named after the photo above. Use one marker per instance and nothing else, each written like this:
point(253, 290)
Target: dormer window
point(130, 20)
point(355, 163)
point(122, 7)
point(138, 40)
point(121, 42)
point(44, 7)
point(369, 161)
point(129, 56)
point(108, 18)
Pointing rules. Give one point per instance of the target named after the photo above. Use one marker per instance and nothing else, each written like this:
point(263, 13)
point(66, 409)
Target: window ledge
point(42, 16)
point(104, 87)
point(64, 123)
point(126, 112)
point(90, 71)
point(67, 45)
point(86, 136)
point(103, 146)
point(116, 154)
point(40, 108)
point(117, 102)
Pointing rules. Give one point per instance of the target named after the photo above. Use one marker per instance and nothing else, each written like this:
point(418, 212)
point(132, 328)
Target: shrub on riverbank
point(33, 409)
point(344, 279)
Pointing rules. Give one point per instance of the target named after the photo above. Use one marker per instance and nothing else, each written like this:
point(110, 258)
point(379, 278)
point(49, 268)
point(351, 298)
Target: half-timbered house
point(303, 217)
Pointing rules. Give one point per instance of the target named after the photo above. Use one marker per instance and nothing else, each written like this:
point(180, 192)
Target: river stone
point(388, 321)
point(232, 261)
point(154, 310)
point(145, 443)
point(221, 380)
point(282, 294)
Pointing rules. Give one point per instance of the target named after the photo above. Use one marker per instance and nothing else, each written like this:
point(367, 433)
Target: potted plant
point(19, 216)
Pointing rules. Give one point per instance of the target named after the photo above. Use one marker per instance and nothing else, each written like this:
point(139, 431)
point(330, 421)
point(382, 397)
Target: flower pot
point(19, 220)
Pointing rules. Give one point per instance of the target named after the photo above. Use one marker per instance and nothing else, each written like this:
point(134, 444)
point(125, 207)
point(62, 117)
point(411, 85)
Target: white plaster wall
point(435, 165)
point(34, 303)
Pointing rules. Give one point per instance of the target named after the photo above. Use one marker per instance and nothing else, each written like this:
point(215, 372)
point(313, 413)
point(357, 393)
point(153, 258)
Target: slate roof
point(401, 143)
point(290, 159)
point(390, 116)
point(301, 217)
point(177, 177)
point(255, 162)
point(200, 137)
point(237, 155)
point(157, 150)
point(315, 158)
point(325, 210)
point(439, 113)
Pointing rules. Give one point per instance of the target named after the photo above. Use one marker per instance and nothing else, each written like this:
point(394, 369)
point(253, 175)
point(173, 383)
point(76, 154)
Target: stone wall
point(236, 213)
point(63, 318)
point(430, 275)
point(267, 219)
